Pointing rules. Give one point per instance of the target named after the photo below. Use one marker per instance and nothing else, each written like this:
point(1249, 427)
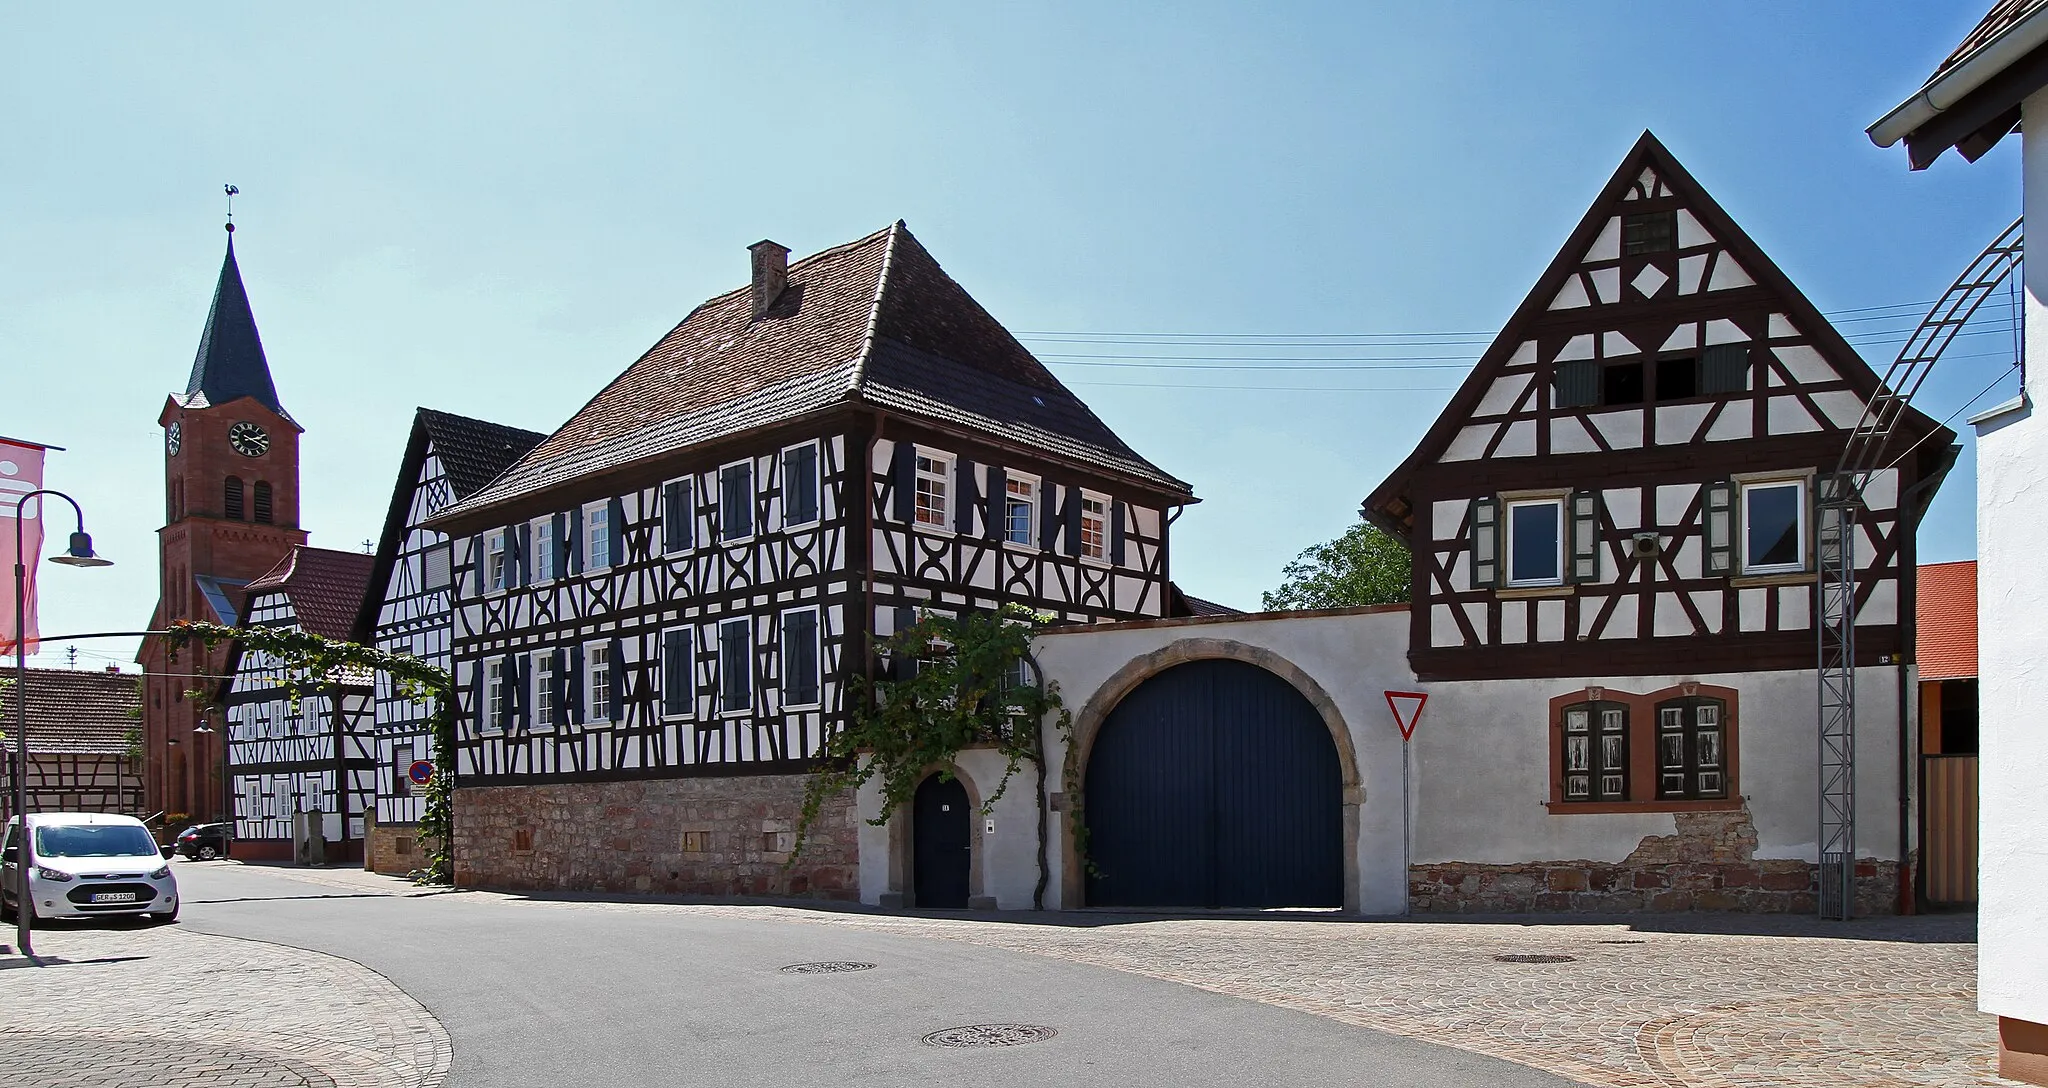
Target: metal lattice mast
point(1839, 497)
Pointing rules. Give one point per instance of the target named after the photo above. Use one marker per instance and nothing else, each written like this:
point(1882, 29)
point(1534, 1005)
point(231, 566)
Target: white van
point(86, 865)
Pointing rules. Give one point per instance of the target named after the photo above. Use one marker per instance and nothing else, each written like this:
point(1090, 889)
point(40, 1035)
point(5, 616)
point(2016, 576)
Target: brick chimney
point(771, 273)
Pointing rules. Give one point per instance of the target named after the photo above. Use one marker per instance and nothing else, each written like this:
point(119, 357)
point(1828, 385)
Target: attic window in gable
point(1621, 383)
point(1678, 379)
point(1649, 232)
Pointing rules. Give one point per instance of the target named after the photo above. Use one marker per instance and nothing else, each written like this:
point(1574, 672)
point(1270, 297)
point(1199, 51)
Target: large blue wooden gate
point(1214, 784)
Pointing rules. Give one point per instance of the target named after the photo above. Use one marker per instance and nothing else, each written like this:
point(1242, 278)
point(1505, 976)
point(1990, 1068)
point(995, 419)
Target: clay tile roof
point(875, 320)
point(325, 587)
point(1946, 628)
point(76, 712)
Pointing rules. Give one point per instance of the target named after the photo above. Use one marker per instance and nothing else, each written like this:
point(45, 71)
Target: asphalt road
point(548, 994)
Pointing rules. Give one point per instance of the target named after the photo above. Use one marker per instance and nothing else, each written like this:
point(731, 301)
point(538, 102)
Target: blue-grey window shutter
point(481, 694)
point(1072, 516)
point(996, 511)
point(1486, 549)
point(676, 696)
point(522, 679)
point(903, 481)
point(735, 662)
point(559, 696)
point(616, 662)
point(800, 657)
point(508, 707)
point(965, 496)
point(1724, 368)
point(615, 525)
point(1048, 518)
point(1719, 513)
point(524, 534)
point(1576, 384)
point(1116, 533)
point(576, 540)
point(1582, 539)
point(800, 485)
point(479, 546)
point(575, 699)
point(677, 516)
point(562, 544)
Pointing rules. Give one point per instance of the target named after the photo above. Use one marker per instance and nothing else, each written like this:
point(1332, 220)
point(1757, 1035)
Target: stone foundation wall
point(702, 836)
point(1709, 865)
point(394, 849)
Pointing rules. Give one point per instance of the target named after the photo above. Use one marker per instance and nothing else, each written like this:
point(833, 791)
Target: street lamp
point(77, 553)
point(227, 809)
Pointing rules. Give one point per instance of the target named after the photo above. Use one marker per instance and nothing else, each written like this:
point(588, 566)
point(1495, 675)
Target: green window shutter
point(1724, 368)
point(1485, 542)
point(1576, 384)
point(1582, 515)
point(1719, 511)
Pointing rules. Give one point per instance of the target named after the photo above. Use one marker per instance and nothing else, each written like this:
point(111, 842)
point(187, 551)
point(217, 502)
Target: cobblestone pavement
point(1754, 1002)
point(164, 1006)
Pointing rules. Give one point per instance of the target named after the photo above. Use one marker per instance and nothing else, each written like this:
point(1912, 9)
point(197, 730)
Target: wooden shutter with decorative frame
point(1718, 521)
point(1485, 521)
point(903, 482)
point(1582, 520)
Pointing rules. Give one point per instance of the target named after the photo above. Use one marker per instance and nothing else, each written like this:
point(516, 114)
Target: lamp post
point(226, 811)
point(78, 553)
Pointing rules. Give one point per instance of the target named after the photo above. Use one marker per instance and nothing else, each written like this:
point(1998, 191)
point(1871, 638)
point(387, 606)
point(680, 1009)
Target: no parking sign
point(421, 772)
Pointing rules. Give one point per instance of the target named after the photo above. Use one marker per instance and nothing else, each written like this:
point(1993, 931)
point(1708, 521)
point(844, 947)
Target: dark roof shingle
point(473, 451)
point(230, 364)
point(76, 712)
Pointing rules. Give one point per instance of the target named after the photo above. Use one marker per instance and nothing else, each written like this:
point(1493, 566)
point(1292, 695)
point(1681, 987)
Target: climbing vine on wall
point(311, 663)
point(959, 682)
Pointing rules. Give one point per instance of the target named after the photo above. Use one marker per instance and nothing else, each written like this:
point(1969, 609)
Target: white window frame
point(941, 477)
point(597, 662)
point(718, 696)
point(546, 551)
point(1101, 555)
point(496, 566)
point(817, 482)
point(1030, 501)
point(817, 655)
point(401, 776)
point(689, 710)
point(1507, 530)
point(1743, 487)
point(492, 716)
point(597, 514)
point(753, 501)
point(689, 488)
point(543, 695)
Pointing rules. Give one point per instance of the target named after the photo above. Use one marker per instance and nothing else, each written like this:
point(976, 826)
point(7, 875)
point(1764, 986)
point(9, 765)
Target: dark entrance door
point(940, 852)
point(1215, 784)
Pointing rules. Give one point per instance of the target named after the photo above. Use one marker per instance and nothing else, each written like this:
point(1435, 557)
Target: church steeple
point(230, 363)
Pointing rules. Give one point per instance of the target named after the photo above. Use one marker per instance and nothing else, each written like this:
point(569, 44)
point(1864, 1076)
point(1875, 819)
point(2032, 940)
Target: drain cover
point(975, 1035)
point(1534, 958)
point(827, 967)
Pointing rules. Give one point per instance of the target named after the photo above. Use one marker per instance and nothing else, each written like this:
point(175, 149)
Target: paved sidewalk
point(127, 1004)
point(1756, 1002)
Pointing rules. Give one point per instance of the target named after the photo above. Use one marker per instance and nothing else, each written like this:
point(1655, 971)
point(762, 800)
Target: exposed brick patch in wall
point(394, 849)
point(695, 836)
point(1710, 864)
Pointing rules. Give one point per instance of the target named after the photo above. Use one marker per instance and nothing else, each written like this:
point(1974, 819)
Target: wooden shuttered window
point(1116, 533)
point(1582, 527)
point(800, 484)
point(678, 517)
point(508, 691)
point(615, 664)
point(903, 482)
point(575, 539)
point(231, 497)
point(995, 505)
point(575, 692)
point(966, 495)
point(1724, 368)
point(1485, 519)
point(565, 547)
point(558, 713)
point(736, 501)
point(615, 530)
point(1048, 517)
point(263, 507)
point(1070, 516)
point(678, 691)
point(735, 666)
point(1719, 508)
point(1575, 384)
point(518, 544)
point(479, 547)
point(800, 657)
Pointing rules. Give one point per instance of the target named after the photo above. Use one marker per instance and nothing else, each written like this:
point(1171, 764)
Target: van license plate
point(113, 897)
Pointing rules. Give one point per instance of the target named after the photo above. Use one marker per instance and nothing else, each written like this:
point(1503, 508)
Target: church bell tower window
point(232, 495)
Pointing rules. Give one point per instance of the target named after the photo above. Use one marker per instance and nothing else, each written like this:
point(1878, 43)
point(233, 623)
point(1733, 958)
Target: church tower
point(231, 512)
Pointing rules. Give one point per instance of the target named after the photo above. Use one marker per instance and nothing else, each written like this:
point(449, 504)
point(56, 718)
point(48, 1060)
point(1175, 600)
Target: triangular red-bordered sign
point(1407, 708)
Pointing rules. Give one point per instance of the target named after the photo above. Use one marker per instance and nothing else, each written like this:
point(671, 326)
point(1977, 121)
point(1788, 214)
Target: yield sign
point(1407, 708)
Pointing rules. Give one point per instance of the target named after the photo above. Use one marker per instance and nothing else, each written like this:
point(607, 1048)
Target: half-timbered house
point(314, 754)
point(1609, 663)
point(659, 606)
point(409, 608)
point(84, 741)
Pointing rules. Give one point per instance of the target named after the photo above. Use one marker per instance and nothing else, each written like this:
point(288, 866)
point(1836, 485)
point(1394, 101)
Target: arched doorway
point(942, 852)
point(1214, 784)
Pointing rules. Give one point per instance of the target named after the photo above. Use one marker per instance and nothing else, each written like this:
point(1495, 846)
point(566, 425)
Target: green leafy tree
point(1364, 566)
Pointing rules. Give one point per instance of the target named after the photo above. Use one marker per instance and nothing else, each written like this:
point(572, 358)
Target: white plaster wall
point(2012, 658)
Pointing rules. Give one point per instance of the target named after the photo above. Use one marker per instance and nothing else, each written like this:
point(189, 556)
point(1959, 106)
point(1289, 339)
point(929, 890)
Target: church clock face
point(248, 439)
point(174, 437)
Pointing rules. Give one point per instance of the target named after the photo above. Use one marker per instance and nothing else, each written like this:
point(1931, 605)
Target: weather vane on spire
point(232, 192)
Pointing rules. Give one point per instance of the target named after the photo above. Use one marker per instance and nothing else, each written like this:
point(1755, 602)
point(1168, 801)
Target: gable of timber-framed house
point(409, 608)
point(676, 585)
point(1626, 480)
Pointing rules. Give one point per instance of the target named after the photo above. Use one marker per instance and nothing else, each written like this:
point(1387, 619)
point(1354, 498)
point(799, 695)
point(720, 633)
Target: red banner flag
point(21, 471)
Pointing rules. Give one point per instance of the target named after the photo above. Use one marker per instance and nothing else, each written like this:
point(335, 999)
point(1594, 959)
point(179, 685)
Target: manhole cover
point(991, 1035)
point(827, 967)
point(1534, 958)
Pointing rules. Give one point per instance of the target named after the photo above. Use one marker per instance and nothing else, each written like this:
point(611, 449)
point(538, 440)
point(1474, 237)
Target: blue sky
point(493, 209)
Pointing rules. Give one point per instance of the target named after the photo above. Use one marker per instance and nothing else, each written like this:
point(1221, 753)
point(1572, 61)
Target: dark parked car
point(205, 842)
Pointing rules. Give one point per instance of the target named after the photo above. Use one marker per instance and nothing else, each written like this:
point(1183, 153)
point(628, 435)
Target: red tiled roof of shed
point(1947, 623)
point(326, 587)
